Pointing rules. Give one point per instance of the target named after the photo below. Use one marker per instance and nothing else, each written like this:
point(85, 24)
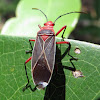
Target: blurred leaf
point(92, 30)
point(89, 33)
point(7, 6)
point(63, 86)
point(27, 20)
point(97, 8)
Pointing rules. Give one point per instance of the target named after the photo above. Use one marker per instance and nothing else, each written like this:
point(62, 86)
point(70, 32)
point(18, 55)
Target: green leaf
point(27, 20)
point(63, 85)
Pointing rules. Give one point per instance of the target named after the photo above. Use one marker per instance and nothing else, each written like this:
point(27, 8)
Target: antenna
point(42, 12)
point(69, 13)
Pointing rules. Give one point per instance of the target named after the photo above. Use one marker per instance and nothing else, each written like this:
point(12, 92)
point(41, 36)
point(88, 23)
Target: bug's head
point(49, 23)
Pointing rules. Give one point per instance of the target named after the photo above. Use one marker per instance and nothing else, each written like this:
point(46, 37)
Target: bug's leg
point(68, 49)
point(63, 28)
point(64, 42)
point(27, 85)
point(73, 64)
point(30, 51)
point(63, 34)
point(26, 73)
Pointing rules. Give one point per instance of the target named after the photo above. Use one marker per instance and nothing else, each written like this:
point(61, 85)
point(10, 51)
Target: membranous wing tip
point(42, 85)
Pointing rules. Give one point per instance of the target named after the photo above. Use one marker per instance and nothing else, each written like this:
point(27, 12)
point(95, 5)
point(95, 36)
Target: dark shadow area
point(98, 98)
point(56, 88)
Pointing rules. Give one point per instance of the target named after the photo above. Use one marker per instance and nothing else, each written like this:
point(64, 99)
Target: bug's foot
point(24, 88)
point(27, 85)
point(30, 51)
point(74, 58)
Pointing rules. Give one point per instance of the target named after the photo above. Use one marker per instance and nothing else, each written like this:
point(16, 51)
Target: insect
point(43, 54)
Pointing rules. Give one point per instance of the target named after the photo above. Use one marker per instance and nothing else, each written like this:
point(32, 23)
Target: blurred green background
point(87, 29)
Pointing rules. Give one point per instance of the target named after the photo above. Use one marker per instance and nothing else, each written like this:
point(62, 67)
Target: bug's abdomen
point(41, 71)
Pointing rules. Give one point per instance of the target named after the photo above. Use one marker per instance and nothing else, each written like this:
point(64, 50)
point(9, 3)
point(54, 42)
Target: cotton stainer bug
point(43, 54)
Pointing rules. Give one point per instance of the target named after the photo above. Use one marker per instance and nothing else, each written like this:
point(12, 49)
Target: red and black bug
point(43, 54)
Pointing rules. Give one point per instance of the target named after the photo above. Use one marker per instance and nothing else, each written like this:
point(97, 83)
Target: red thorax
point(48, 26)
